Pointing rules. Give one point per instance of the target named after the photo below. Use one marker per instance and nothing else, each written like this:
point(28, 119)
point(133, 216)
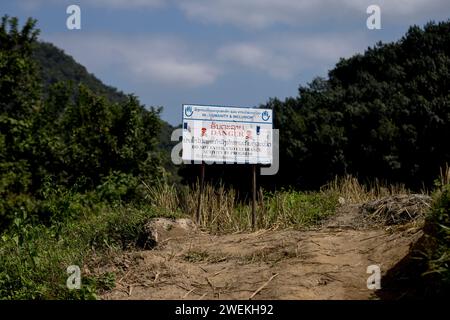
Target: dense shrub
point(437, 230)
point(383, 114)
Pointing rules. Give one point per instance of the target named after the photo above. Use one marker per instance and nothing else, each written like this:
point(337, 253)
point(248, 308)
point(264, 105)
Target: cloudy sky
point(225, 52)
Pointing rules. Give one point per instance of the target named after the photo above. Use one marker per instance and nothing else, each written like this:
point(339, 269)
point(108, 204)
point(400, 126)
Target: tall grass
point(222, 211)
point(352, 191)
point(163, 196)
point(298, 209)
point(444, 177)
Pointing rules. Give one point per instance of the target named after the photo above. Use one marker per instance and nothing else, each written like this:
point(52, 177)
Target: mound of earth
point(163, 229)
point(327, 263)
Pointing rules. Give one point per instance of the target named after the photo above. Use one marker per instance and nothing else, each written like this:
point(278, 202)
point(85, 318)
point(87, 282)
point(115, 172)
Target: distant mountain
point(55, 65)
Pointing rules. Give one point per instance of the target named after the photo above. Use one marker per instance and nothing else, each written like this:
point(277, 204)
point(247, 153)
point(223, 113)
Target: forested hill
point(55, 65)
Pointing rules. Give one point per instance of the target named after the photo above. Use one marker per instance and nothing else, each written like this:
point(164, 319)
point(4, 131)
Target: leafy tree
point(19, 89)
point(383, 114)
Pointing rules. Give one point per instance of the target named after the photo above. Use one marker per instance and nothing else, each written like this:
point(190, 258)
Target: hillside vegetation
point(384, 114)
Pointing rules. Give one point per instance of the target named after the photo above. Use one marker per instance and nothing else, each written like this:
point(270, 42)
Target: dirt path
point(327, 263)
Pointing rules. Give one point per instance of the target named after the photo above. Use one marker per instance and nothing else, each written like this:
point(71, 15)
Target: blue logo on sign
point(188, 111)
point(265, 115)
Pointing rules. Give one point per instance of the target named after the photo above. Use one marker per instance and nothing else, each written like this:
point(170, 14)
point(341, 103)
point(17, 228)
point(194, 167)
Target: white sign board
point(218, 134)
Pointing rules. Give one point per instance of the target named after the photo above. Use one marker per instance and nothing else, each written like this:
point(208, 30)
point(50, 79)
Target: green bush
point(298, 209)
point(34, 256)
point(118, 186)
point(437, 230)
point(124, 228)
point(33, 263)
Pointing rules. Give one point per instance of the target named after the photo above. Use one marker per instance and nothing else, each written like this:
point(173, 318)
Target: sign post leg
point(202, 180)
point(254, 196)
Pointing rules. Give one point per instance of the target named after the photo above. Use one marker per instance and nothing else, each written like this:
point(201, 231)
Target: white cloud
point(258, 14)
point(168, 61)
point(256, 56)
point(284, 57)
point(163, 61)
point(169, 71)
point(125, 4)
point(264, 13)
point(253, 13)
point(114, 4)
point(280, 53)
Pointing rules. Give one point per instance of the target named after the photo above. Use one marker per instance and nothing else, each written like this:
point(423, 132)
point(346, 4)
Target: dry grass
point(398, 209)
point(352, 191)
point(220, 208)
point(444, 177)
point(223, 212)
point(163, 196)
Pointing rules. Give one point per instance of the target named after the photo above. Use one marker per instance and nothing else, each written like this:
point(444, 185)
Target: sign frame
point(254, 123)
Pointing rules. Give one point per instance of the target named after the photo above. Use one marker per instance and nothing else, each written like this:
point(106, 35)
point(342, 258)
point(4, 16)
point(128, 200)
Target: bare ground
point(329, 262)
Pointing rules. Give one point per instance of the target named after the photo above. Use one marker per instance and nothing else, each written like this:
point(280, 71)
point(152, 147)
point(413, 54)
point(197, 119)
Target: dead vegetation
point(352, 191)
point(397, 209)
point(223, 211)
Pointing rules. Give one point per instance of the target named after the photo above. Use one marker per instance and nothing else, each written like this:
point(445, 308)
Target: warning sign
point(217, 134)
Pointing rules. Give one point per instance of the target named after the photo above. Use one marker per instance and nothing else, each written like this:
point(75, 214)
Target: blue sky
point(223, 52)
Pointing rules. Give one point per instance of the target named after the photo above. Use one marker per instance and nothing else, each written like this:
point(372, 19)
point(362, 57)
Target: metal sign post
point(254, 196)
point(202, 182)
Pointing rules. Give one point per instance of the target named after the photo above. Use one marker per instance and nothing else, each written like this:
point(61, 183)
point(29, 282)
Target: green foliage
point(125, 230)
point(100, 138)
point(61, 76)
point(19, 91)
point(298, 209)
point(34, 257)
point(18, 85)
point(384, 114)
point(33, 262)
point(59, 205)
point(118, 186)
point(437, 230)
point(55, 66)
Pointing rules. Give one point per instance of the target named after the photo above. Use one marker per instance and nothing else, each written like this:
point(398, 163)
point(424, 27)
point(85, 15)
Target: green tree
point(383, 114)
point(20, 92)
